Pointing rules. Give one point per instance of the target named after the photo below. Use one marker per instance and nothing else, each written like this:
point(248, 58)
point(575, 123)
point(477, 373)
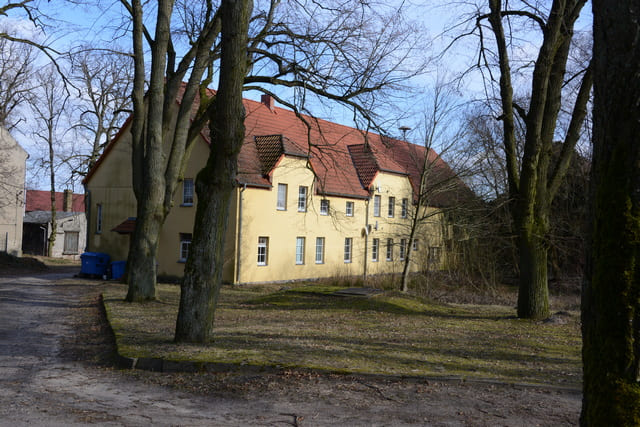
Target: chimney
point(267, 100)
point(67, 201)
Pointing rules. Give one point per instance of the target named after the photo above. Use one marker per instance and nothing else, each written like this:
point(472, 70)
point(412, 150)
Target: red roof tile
point(345, 160)
point(41, 201)
point(127, 226)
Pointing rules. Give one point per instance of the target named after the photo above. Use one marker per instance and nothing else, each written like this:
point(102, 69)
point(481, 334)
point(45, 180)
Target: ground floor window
point(403, 248)
point(375, 247)
point(434, 255)
point(320, 250)
point(71, 239)
point(263, 248)
point(389, 249)
point(185, 244)
point(299, 250)
point(348, 247)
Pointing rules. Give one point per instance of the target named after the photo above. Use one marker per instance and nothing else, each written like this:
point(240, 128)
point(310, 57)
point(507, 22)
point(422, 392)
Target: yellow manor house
point(332, 201)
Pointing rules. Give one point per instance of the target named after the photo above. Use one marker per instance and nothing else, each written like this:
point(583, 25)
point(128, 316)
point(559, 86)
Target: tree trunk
point(216, 182)
point(611, 290)
point(142, 255)
point(533, 294)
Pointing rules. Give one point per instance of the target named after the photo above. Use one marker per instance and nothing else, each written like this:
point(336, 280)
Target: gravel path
point(55, 370)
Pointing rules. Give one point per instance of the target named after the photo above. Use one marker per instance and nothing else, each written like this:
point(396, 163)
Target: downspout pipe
point(239, 233)
point(366, 239)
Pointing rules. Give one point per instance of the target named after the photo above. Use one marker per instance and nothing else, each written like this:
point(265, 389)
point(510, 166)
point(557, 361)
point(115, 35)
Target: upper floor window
point(98, 218)
point(392, 207)
point(375, 248)
point(376, 205)
point(263, 249)
point(320, 250)
point(389, 249)
point(300, 250)
point(349, 209)
point(185, 245)
point(324, 207)
point(348, 248)
point(404, 208)
point(187, 192)
point(302, 199)
point(282, 197)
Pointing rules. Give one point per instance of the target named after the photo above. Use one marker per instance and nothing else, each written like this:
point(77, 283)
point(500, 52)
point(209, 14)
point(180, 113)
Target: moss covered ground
point(308, 327)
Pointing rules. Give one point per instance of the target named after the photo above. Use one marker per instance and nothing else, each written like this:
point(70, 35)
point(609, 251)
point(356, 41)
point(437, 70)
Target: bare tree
point(16, 80)
point(215, 183)
point(326, 50)
point(534, 179)
point(104, 80)
point(49, 109)
point(611, 302)
point(440, 189)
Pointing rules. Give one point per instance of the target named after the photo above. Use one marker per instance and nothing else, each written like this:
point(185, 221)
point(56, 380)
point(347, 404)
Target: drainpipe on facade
point(239, 232)
point(366, 240)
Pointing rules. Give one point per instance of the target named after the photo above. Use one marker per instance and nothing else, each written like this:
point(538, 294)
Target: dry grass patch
point(395, 334)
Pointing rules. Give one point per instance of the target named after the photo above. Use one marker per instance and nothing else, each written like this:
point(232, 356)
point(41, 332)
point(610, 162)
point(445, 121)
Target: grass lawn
point(393, 334)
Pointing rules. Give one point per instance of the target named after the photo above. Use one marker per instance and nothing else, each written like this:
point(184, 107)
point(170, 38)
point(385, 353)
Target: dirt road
point(56, 370)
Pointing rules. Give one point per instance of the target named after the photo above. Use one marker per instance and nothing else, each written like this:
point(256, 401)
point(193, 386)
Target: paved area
point(40, 384)
point(55, 370)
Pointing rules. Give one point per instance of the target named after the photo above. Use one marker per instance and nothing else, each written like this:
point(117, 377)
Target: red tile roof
point(127, 226)
point(345, 160)
point(41, 201)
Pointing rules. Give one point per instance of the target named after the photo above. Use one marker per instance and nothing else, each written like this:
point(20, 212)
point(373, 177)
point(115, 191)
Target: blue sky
point(72, 25)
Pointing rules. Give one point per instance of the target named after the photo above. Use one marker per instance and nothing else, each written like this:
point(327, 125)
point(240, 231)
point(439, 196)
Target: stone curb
point(156, 364)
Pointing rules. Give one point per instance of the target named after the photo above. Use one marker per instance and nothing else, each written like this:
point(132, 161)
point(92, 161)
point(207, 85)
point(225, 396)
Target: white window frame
point(324, 207)
point(377, 200)
point(415, 245)
point(348, 249)
point(392, 207)
point(403, 249)
point(319, 250)
point(303, 192)
point(300, 243)
point(349, 209)
point(185, 246)
point(263, 250)
point(281, 203)
point(99, 218)
point(404, 208)
point(188, 190)
point(389, 249)
point(375, 250)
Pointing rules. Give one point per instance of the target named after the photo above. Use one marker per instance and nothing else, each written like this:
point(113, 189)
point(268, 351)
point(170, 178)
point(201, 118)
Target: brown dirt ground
point(307, 398)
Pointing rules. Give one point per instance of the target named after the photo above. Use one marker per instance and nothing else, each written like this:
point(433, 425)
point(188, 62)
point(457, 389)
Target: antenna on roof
point(404, 130)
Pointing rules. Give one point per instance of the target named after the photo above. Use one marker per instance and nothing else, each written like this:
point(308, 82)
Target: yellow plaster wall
point(110, 186)
point(254, 213)
point(262, 218)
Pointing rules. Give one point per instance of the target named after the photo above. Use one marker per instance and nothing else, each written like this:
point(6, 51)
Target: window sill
point(186, 205)
point(182, 261)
